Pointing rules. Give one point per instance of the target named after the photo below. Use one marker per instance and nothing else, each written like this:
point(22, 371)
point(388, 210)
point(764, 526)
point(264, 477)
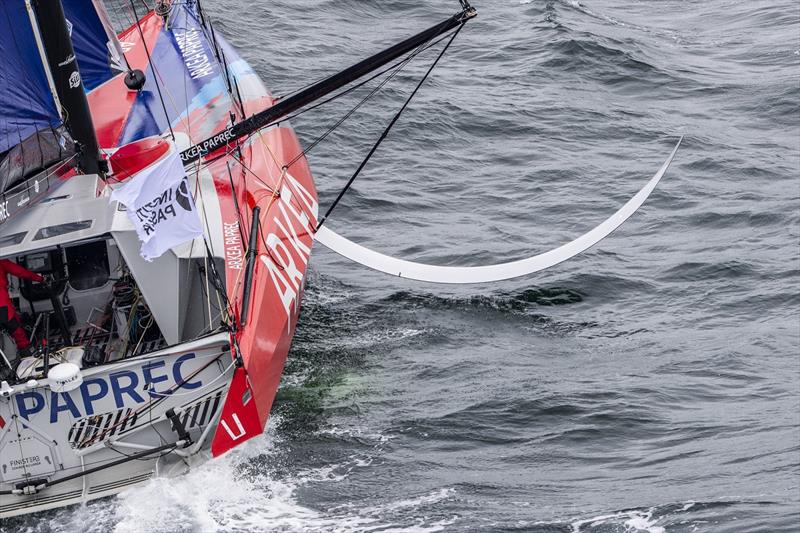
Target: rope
point(236, 202)
point(208, 293)
point(387, 130)
point(202, 388)
point(399, 65)
point(350, 113)
point(150, 62)
point(147, 407)
point(421, 49)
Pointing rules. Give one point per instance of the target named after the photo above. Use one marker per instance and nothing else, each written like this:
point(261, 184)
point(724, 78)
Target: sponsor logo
point(234, 253)
point(194, 53)
point(163, 207)
point(74, 80)
point(25, 462)
point(240, 432)
point(70, 58)
point(182, 196)
point(287, 245)
point(207, 146)
point(127, 388)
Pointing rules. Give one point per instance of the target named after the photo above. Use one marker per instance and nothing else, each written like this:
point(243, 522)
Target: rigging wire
point(350, 113)
point(394, 69)
point(207, 26)
point(387, 130)
point(150, 62)
point(397, 67)
point(421, 48)
point(207, 162)
point(216, 280)
point(143, 409)
point(240, 222)
point(424, 47)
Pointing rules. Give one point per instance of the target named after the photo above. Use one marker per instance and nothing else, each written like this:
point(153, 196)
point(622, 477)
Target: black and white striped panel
point(200, 413)
point(89, 430)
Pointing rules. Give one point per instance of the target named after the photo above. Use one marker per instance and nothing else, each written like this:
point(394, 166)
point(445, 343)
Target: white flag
point(160, 205)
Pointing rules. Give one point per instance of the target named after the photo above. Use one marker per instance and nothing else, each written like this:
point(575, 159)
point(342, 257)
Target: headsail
point(27, 105)
point(44, 97)
point(90, 40)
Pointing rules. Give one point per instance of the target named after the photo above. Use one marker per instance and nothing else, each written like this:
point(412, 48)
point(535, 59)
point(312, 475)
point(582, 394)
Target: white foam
point(380, 337)
point(634, 521)
point(216, 497)
point(644, 523)
point(225, 495)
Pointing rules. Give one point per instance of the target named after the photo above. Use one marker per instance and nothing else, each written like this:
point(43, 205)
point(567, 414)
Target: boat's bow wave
point(489, 273)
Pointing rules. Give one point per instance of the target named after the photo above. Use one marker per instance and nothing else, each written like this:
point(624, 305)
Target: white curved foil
point(485, 274)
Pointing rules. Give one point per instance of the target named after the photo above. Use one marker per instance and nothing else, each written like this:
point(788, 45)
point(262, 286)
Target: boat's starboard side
point(264, 171)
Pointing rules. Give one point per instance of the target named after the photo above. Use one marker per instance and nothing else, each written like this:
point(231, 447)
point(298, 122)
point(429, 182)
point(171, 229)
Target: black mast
point(324, 87)
point(67, 79)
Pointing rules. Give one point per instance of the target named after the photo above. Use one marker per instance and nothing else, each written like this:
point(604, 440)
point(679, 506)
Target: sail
point(32, 137)
point(27, 104)
point(90, 40)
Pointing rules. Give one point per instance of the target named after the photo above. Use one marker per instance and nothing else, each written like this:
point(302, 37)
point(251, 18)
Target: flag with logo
point(161, 206)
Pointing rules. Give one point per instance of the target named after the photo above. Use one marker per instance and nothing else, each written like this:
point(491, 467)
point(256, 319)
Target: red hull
point(287, 197)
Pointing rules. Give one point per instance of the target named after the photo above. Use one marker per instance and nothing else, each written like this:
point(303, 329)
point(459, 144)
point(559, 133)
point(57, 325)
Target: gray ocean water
point(651, 384)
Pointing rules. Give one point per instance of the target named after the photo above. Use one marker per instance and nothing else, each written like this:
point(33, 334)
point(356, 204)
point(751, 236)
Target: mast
point(324, 87)
point(55, 34)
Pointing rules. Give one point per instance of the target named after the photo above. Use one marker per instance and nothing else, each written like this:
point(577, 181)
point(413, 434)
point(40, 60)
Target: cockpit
point(101, 301)
point(88, 310)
